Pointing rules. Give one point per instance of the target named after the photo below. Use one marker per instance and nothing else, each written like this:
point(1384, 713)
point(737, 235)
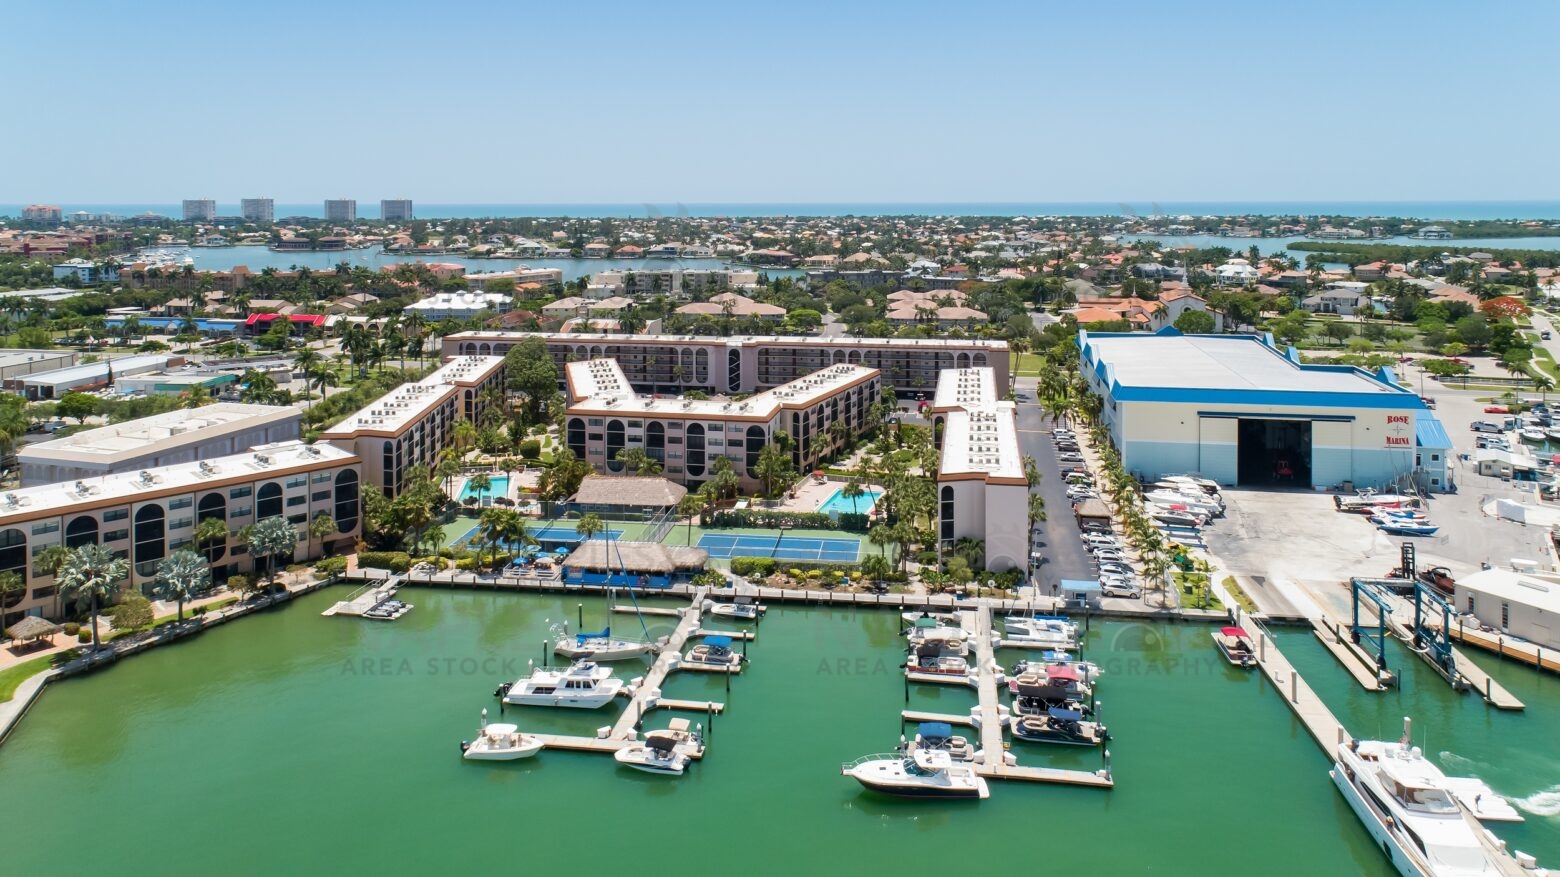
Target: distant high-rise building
point(200, 210)
point(41, 213)
point(340, 210)
point(257, 210)
point(396, 211)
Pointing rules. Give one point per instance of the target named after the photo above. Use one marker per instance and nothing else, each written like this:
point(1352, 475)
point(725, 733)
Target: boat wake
point(1545, 803)
point(1458, 765)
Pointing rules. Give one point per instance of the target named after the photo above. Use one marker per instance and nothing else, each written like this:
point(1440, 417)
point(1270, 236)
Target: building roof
point(1171, 367)
point(736, 340)
point(80, 374)
point(160, 432)
point(615, 555)
point(629, 490)
point(393, 412)
point(1429, 432)
point(264, 461)
point(465, 371)
point(599, 387)
point(980, 433)
point(1515, 587)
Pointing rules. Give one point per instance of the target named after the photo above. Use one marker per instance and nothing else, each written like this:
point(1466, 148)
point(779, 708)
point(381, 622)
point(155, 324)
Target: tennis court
point(546, 533)
point(722, 545)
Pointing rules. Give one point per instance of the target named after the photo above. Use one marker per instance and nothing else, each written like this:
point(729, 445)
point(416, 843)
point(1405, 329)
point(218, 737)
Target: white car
point(1118, 586)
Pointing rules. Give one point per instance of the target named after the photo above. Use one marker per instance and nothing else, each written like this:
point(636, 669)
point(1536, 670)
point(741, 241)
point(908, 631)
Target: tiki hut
point(648, 564)
point(30, 630)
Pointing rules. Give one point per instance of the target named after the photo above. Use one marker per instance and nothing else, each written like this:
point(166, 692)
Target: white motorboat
point(601, 646)
point(584, 684)
point(1205, 485)
point(715, 651)
point(1404, 802)
point(740, 610)
point(665, 752)
point(1553, 433)
point(919, 773)
point(1200, 504)
point(1532, 434)
point(1045, 630)
point(499, 742)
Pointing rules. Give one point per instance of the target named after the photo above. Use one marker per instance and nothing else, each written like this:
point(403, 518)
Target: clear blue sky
point(494, 102)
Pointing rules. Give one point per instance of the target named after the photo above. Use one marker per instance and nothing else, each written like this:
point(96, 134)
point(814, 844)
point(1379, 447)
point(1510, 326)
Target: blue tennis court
point(721, 545)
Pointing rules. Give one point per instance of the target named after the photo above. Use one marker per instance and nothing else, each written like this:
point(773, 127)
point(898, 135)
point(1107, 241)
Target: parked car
point(1117, 586)
point(1483, 426)
point(1496, 409)
point(1545, 335)
point(1115, 569)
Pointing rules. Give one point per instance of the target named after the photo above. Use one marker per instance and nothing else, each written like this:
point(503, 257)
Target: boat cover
point(606, 633)
point(1065, 715)
point(936, 730)
point(1063, 673)
point(1232, 631)
point(719, 642)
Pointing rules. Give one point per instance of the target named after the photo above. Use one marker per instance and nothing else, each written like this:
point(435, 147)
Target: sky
point(567, 102)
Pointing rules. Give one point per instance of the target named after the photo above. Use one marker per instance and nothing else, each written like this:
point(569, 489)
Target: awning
point(1232, 631)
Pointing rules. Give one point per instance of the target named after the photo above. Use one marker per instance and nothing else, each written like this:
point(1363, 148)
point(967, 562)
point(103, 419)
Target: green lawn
point(12, 677)
point(1028, 365)
point(463, 522)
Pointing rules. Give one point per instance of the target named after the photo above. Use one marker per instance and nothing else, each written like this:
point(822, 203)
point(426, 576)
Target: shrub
point(199, 610)
point(84, 635)
point(135, 611)
point(331, 566)
point(746, 566)
point(853, 522)
point(238, 584)
point(466, 563)
point(394, 561)
point(531, 449)
point(771, 519)
point(70, 628)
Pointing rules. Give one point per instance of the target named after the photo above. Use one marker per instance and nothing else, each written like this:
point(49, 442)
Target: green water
point(291, 743)
point(1514, 752)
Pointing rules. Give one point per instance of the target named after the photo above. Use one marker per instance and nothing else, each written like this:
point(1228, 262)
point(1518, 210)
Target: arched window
point(82, 530)
point(655, 440)
point(755, 443)
point(962, 360)
point(947, 512)
point(615, 443)
point(388, 463)
point(150, 546)
point(695, 460)
point(346, 501)
point(268, 501)
point(701, 366)
point(979, 360)
point(13, 558)
point(212, 506)
point(485, 349)
point(577, 437)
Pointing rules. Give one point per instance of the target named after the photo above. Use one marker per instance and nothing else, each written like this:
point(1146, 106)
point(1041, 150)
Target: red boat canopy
point(1063, 672)
point(1233, 631)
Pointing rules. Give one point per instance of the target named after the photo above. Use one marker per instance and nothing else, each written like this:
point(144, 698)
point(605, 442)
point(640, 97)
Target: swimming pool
point(839, 502)
point(498, 485)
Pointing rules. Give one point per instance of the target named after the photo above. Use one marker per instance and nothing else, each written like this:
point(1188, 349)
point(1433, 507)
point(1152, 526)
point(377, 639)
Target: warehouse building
point(1240, 411)
point(93, 375)
point(1525, 605)
point(181, 436)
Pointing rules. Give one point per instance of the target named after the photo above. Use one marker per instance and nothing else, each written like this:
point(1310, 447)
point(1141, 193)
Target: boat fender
point(464, 745)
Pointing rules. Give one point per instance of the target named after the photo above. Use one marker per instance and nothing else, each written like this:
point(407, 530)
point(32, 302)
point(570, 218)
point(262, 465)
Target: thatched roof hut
point(652, 558)
point(608, 491)
point(32, 628)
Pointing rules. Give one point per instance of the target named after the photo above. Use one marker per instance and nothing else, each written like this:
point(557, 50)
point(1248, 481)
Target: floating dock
point(1517, 650)
point(670, 655)
point(1354, 659)
point(994, 752)
point(1323, 726)
point(1466, 674)
point(649, 610)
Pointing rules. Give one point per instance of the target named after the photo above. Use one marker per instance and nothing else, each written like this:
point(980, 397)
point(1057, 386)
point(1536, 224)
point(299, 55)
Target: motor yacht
point(1235, 644)
point(1405, 803)
point(499, 742)
point(583, 684)
point(919, 773)
point(665, 752)
point(1046, 630)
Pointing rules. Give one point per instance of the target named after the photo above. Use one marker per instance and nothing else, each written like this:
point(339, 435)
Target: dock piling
point(544, 654)
point(1294, 687)
point(579, 610)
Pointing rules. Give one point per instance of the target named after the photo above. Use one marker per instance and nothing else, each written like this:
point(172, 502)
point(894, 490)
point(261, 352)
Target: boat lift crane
point(1435, 644)
point(1375, 637)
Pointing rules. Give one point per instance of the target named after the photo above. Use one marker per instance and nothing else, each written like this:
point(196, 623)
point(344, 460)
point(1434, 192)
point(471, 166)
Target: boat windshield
point(915, 770)
point(1426, 800)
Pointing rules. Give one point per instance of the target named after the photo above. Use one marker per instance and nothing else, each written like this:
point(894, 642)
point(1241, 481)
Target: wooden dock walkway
point(1354, 659)
point(1517, 650)
point(919, 716)
point(649, 610)
point(1324, 727)
point(670, 655)
point(994, 751)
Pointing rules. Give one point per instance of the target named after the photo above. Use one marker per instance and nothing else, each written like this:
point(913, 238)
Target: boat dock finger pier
point(1354, 659)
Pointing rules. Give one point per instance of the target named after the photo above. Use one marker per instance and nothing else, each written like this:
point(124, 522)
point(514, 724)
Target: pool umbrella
point(560, 550)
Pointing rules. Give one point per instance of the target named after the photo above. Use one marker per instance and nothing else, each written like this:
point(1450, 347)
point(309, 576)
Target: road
point(1060, 542)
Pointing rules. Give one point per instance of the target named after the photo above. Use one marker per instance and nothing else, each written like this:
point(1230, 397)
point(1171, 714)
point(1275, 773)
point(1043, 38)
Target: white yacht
point(919, 773)
point(582, 685)
point(1406, 805)
point(665, 752)
point(1044, 630)
point(602, 646)
point(499, 742)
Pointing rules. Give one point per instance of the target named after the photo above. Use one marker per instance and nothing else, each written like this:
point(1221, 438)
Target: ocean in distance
point(1427, 210)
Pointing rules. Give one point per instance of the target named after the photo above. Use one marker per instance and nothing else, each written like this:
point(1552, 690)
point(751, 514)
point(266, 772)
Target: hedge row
point(774, 520)
point(767, 566)
point(395, 561)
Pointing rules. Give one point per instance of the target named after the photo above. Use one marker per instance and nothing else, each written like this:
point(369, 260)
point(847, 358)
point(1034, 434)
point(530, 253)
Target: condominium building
point(461, 305)
point(670, 282)
point(606, 416)
point(340, 210)
point(674, 363)
point(396, 210)
point(261, 211)
point(144, 516)
point(981, 490)
point(181, 436)
point(200, 210)
point(412, 424)
point(45, 213)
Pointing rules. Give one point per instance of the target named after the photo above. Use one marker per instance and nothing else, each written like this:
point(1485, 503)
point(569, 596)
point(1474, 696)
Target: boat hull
point(475, 754)
point(924, 791)
point(1390, 847)
point(618, 652)
point(630, 758)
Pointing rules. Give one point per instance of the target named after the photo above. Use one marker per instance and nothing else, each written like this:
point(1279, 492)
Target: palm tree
point(447, 469)
point(1543, 383)
point(10, 583)
point(1031, 471)
point(498, 526)
point(93, 574)
point(270, 539)
point(589, 525)
point(210, 534)
point(322, 527)
point(479, 482)
point(639, 461)
point(852, 490)
point(182, 574)
point(690, 505)
point(972, 550)
point(1036, 509)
